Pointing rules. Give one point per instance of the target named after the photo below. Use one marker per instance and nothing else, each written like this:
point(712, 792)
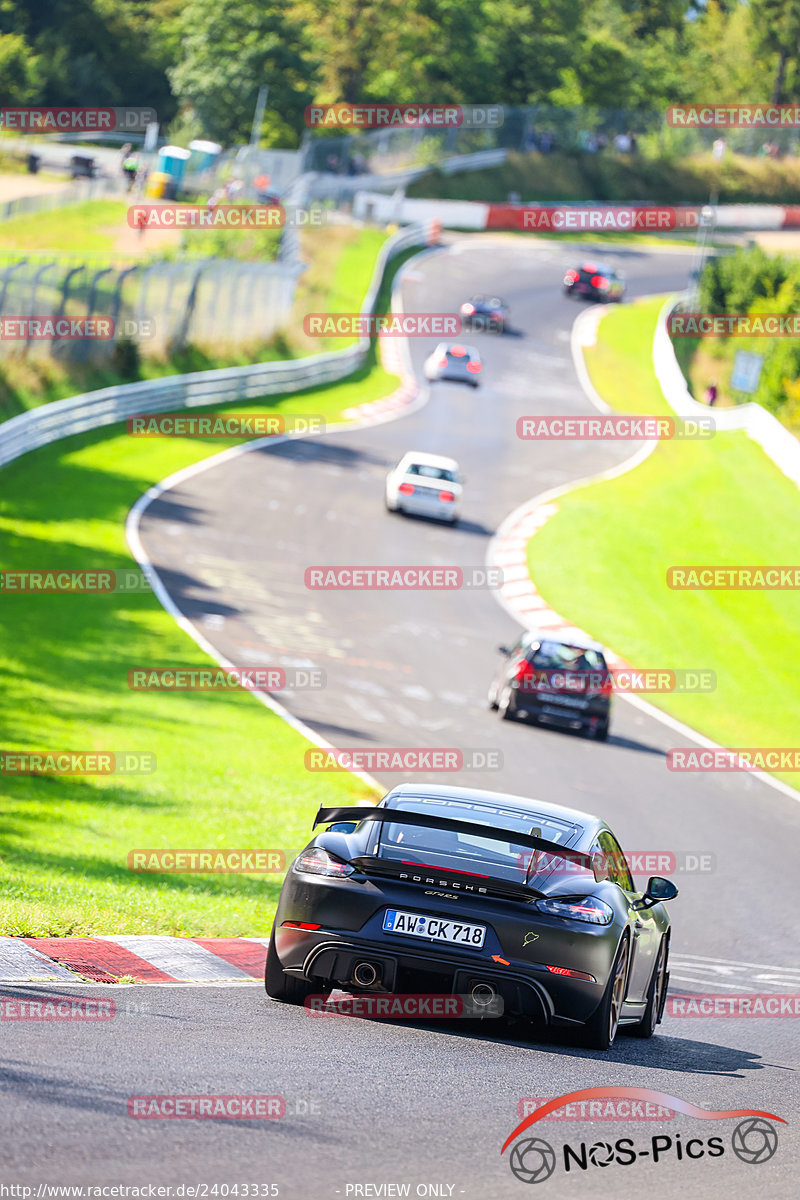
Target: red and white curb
point(135, 957)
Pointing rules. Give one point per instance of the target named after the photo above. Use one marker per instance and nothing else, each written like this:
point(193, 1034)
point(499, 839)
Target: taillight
point(443, 362)
point(587, 266)
point(457, 351)
point(523, 671)
point(299, 925)
point(588, 908)
point(317, 861)
point(600, 282)
point(448, 497)
point(573, 974)
point(406, 488)
point(473, 367)
point(570, 276)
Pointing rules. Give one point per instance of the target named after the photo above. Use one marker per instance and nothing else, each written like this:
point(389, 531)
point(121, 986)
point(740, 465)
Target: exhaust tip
point(483, 994)
point(365, 974)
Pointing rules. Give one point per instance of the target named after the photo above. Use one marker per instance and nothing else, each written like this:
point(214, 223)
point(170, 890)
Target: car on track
point(598, 281)
point(554, 682)
point(425, 485)
point(453, 360)
point(485, 312)
point(442, 889)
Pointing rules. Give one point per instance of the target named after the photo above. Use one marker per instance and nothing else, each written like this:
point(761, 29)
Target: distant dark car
point(485, 312)
point(598, 281)
point(547, 680)
point(489, 897)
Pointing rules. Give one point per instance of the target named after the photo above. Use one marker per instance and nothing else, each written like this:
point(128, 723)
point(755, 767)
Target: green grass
point(229, 772)
point(720, 501)
point(89, 228)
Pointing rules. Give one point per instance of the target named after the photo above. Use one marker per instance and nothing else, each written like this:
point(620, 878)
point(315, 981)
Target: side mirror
point(658, 891)
point(341, 827)
point(504, 650)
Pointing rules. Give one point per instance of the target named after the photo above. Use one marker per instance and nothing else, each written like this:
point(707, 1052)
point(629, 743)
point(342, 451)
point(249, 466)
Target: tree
point(230, 48)
point(777, 27)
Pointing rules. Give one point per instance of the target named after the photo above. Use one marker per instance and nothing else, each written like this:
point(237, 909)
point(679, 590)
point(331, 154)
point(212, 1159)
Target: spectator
point(130, 165)
point(711, 394)
point(718, 149)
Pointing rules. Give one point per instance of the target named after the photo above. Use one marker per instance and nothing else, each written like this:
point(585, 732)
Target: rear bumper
point(425, 507)
point(568, 717)
point(533, 992)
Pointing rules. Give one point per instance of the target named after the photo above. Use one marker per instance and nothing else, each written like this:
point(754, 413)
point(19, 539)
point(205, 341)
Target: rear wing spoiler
point(470, 828)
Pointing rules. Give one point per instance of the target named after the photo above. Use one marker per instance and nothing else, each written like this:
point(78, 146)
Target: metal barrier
point(92, 410)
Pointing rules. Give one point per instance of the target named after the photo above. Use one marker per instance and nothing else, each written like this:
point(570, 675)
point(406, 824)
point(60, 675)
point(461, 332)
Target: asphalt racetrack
point(429, 1105)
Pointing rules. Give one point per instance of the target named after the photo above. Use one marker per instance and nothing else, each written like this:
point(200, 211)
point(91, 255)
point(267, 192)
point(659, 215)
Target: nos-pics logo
point(533, 1160)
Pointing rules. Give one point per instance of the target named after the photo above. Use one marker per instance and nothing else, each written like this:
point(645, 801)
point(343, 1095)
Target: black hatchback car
point(555, 682)
point(598, 281)
point(486, 313)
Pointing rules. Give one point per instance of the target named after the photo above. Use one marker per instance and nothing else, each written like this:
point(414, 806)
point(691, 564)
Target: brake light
point(600, 281)
point(570, 276)
point(406, 488)
point(316, 861)
point(299, 925)
point(573, 974)
point(457, 351)
point(443, 361)
point(587, 266)
point(473, 367)
point(448, 497)
point(523, 670)
point(455, 870)
point(587, 908)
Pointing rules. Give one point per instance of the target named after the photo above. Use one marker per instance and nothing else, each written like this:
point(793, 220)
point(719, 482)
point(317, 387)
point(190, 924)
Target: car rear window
point(430, 472)
point(558, 656)
point(477, 855)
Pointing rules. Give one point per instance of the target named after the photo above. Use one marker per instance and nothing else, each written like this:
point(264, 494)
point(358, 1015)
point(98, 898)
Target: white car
point(454, 360)
point(425, 485)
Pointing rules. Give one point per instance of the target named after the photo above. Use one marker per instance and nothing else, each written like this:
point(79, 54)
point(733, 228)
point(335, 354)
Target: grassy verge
point(341, 261)
point(534, 176)
point(720, 501)
point(229, 773)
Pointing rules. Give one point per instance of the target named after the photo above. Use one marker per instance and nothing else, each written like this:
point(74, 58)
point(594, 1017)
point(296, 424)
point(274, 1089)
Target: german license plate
point(434, 929)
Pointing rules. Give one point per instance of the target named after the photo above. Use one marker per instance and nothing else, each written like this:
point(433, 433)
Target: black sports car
point(555, 682)
point(598, 281)
point(443, 889)
point(485, 312)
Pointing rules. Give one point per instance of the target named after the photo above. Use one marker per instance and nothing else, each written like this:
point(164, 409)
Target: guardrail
point(92, 410)
point(781, 445)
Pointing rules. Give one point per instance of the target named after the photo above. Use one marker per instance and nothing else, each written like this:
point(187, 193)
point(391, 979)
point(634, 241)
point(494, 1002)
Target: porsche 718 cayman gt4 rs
point(443, 889)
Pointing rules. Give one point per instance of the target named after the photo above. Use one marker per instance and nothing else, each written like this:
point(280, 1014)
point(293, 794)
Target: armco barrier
point(92, 410)
point(782, 447)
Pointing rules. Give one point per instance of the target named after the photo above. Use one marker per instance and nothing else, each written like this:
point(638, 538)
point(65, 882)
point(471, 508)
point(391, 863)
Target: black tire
point(600, 732)
point(492, 699)
point(601, 1029)
point(283, 987)
point(656, 995)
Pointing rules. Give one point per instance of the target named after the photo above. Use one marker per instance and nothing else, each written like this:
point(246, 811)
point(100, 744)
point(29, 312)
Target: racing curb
point(134, 958)
point(508, 551)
